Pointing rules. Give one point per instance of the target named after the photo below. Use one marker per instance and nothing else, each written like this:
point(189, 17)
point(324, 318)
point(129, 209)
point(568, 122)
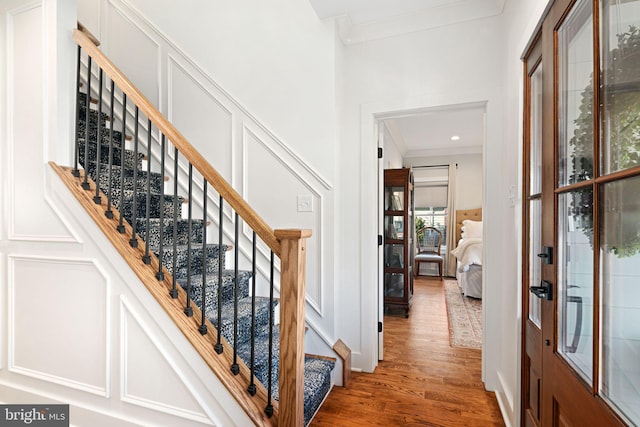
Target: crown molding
point(462, 11)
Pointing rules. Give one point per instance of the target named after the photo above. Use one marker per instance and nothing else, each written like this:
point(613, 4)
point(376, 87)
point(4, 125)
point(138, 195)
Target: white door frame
point(370, 114)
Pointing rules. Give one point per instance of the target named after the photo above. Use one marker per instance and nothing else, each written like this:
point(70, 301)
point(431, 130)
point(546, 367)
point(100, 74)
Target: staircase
point(179, 248)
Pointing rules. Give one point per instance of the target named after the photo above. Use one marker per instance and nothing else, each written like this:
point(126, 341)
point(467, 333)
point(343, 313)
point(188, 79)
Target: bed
point(468, 252)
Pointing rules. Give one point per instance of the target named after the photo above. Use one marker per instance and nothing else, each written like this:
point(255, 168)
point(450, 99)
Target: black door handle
point(544, 291)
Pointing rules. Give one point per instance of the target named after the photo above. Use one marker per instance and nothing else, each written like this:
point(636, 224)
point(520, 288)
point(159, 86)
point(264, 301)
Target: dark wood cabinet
point(399, 230)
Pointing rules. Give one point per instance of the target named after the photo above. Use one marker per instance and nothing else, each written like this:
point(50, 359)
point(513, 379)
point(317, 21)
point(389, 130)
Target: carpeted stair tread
point(196, 259)
point(228, 280)
point(156, 179)
point(157, 202)
point(244, 319)
point(317, 384)
point(317, 371)
point(156, 183)
point(182, 231)
point(131, 159)
point(105, 135)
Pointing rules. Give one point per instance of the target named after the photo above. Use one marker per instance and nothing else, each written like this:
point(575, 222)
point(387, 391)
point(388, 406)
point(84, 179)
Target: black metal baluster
point(85, 182)
point(235, 368)
point(188, 310)
point(252, 386)
point(160, 273)
point(147, 258)
point(134, 211)
point(97, 199)
point(218, 346)
point(174, 288)
point(203, 305)
point(109, 213)
point(75, 171)
point(269, 409)
point(123, 144)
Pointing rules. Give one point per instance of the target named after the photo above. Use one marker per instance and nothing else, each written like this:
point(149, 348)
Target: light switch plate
point(305, 203)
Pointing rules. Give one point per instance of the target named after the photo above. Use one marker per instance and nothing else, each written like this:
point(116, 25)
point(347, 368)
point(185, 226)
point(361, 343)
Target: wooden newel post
point(292, 301)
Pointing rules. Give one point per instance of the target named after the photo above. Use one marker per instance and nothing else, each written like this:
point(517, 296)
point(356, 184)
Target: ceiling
point(363, 20)
point(429, 133)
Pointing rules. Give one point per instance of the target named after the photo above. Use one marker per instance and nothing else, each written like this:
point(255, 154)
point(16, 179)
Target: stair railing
point(288, 245)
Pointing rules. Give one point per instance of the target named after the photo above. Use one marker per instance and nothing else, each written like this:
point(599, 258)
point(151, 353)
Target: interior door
point(589, 289)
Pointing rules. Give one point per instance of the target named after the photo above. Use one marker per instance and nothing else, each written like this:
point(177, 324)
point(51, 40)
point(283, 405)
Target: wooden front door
point(581, 252)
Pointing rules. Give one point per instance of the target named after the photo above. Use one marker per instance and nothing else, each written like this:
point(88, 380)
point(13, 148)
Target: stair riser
point(244, 320)
point(182, 232)
point(104, 133)
point(157, 202)
point(156, 183)
point(228, 285)
point(93, 116)
point(181, 271)
point(157, 180)
point(131, 160)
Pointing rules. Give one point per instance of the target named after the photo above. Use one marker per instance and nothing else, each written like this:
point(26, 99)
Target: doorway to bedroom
point(443, 148)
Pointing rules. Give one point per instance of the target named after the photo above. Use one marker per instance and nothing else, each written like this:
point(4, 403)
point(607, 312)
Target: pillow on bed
point(471, 229)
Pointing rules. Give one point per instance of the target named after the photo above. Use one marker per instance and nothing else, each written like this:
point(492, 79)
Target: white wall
point(468, 177)
point(76, 325)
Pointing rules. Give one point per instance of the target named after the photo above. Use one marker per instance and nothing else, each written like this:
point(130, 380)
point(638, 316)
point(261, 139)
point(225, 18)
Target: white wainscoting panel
point(58, 322)
point(201, 118)
point(134, 52)
point(30, 217)
point(276, 201)
point(150, 377)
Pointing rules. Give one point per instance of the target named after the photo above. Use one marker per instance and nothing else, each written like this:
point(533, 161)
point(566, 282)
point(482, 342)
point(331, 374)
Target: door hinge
point(379, 152)
point(379, 327)
point(379, 239)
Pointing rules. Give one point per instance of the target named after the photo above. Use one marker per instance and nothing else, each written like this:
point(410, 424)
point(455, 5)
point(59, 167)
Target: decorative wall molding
point(313, 300)
point(31, 133)
point(130, 318)
point(21, 322)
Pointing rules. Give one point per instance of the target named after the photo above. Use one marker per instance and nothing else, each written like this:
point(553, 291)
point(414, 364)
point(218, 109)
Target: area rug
point(465, 317)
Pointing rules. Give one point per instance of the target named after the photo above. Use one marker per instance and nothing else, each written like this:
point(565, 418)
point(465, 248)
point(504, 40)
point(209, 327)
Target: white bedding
point(468, 252)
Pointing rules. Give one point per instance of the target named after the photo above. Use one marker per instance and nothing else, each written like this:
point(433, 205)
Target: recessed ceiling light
point(455, 138)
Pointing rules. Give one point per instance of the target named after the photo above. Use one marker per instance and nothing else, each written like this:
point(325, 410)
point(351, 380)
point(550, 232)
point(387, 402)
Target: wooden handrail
point(179, 141)
point(88, 33)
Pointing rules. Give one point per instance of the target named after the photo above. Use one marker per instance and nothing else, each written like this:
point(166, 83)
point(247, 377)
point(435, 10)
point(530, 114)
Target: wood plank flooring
point(422, 381)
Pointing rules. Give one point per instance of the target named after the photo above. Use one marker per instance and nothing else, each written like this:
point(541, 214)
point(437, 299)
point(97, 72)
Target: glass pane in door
point(620, 53)
point(535, 137)
point(620, 269)
point(575, 95)
point(575, 280)
point(535, 234)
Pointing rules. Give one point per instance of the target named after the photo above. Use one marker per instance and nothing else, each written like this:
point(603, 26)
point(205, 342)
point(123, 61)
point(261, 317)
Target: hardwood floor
point(422, 381)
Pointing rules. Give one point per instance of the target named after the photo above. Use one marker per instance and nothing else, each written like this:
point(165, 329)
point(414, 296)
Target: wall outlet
point(305, 203)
